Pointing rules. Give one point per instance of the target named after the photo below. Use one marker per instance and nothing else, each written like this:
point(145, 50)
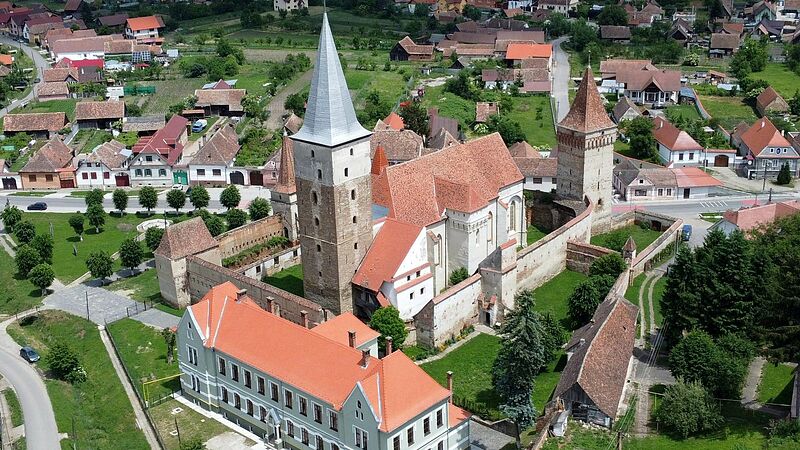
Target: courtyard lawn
point(20, 294)
point(743, 429)
point(13, 405)
point(144, 353)
point(535, 233)
point(688, 112)
point(472, 373)
point(390, 85)
point(537, 131)
point(552, 296)
point(144, 288)
point(729, 110)
point(66, 106)
point(67, 266)
point(776, 384)
point(642, 237)
point(98, 410)
point(195, 136)
point(169, 92)
point(87, 140)
point(658, 292)
point(781, 78)
point(546, 382)
point(190, 423)
point(290, 280)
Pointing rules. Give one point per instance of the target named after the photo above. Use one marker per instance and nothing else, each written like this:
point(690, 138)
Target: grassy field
point(642, 237)
point(742, 430)
point(190, 423)
point(729, 110)
point(776, 384)
point(144, 288)
point(632, 295)
point(552, 296)
point(13, 405)
point(68, 266)
point(390, 85)
point(20, 294)
point(535, 233)
point(98, 408)
point(67, 106)
point(537, 131)
point(450, 105)
point(86, 140)
point(144, 353)
point(290, 280)
point(780, 78)
point(658, 293)
point(687, 111)
point(169, 92)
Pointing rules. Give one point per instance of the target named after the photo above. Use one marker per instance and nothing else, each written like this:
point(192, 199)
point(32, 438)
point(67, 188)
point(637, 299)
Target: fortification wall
point(581, 255)
point(273, 263)
point(449, 312)
point(202, 276)
point(254, 233)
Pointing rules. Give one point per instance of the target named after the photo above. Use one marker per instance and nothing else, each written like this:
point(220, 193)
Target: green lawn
point(144, 353)
point(642, 237)
point(390, 85)
point(144, 288)
point(535, 233)
point(190, 423)
point(776, 384)
point(743, 429)
point(169, 92)
point(67, 106)
point(450, 105)
point(552, 296)
point(20, 294)
point(538, 131)
point(98, 409)
point(13, 405)
point(87, 140)
point(780, 78)
point(67, 266)
point(195, 136)
point(658, 293)
point(632, 295)
point(729, 110)
point(687, 111)
point(31, 193)
point(290, 280)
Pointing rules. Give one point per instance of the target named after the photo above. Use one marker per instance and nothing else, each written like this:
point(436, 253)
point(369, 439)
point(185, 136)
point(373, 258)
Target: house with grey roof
point(212, 165)
point(106, 166)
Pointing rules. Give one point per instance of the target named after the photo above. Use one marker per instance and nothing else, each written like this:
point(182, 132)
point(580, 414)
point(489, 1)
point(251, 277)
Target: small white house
point(143, 28)
point(212, 163)
point(106, 166)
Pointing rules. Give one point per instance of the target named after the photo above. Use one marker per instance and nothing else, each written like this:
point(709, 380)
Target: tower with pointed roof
point(332, 175)
point(585, 155)
point(284, 194)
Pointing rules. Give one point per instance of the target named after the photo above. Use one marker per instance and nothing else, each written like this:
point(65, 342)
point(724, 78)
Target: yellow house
point(452, 5)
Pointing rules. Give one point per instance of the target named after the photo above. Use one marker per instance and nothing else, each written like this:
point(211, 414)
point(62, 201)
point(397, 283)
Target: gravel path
point(275, 106)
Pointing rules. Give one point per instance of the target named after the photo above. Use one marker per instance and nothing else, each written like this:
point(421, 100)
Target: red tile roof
point(483, 110)
point(99, 110)
point(761, 135)
point(523, 150)
point(166, 141)
point(189, 237)
point(671, 137)
point(145, 23)
point(395, 121)
point(396, 388)
point(639, 80)
point(484, 165)
point(52, 157)
point(587, 113)
point(526, 51)
point(286, 177)
point(379, 161)
point(766, 98)
point(388, 249)
point(747, 219)
point(694, 177)
point(338, 328)
point(35, 121)
point(6, 60)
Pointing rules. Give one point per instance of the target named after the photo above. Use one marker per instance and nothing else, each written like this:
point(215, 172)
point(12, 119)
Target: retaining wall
point(254, 233)
point(449, 312)
point(581, 255)
point(273, 263)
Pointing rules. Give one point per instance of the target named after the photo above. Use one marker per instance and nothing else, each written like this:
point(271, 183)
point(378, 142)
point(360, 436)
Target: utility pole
point(87, 303)
point(619, 440)
point(770, 196)
point(178, 430)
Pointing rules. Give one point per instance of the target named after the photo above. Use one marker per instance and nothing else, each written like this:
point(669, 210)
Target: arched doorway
point(721, 161)
point(237, 178)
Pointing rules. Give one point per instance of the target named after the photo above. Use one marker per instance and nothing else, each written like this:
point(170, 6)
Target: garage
point(122, 180)
point(721, 161)
point(9, 183)
point(237, 178)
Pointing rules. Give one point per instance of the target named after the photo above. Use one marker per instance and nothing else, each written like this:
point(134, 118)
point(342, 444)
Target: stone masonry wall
point(581, 255)
point(254, 233)
point(448, 312)
point(202, 276)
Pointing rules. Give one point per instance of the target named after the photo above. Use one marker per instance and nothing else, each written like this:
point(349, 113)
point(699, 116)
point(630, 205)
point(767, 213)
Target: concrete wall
point(254, 233)
point(581, 255)
point(202, 276)
point(273, 263)
point(449, 312)
point(547, 257)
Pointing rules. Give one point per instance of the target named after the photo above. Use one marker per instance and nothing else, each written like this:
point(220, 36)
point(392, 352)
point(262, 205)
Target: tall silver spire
point(330, 118)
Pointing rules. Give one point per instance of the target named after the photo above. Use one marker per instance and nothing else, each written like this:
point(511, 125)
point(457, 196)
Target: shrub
point(152, 237)
point(687, 408)
point(24, 231)
point(387, 322)
point(458, 275)
point(26, 259)
point(611, 264)
point(64, 363)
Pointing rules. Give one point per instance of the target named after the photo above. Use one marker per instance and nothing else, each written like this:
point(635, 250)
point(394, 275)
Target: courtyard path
point(275, 106)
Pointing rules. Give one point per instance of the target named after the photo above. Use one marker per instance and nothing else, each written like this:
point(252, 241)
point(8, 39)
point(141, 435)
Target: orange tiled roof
point(397, 389)
point(761, 135)
point(747, 219)
point(338, 328)
point(528, 50)
point(144, 23)
point(386, 253)
point(587, 113)
point(694, 177)
point(671, 137)
point(395, 121)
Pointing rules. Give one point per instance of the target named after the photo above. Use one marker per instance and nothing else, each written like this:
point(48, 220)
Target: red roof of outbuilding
point(671, 137)
point(144, 23)
point(694, 177)
point(395, 121)
point(764, 134)
point(528, 50)
point(386, 253)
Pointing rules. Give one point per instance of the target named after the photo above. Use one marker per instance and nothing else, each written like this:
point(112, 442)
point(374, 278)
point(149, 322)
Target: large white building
point(322, 388)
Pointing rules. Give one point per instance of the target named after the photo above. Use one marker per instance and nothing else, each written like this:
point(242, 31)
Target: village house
point(598, 363)
point(80, 48)
point(771, 29)
point(49, 168)
point(638, 180)
point(675, 146)
point(114, 22)
point(748, 219)
point(289, 5)
point(60, 75)
point(293, 124)
point(484, 110)
point(106, 166)
point(143, 125)
point(610, 69)
point(517, 52)
point(10, 180)
point(58, 90)
point(212, 163)
point(681, 31)
point(559, 6)
point(358, 401)
point(625, 109)
point(765, 149)
point(407, 50)
point(770, 101)
point(723, 44)
point(99, 115)
point(220, 102)
point(540, 173)
point(55, 35)
point(143, 29)
point(34, 30)
point(154, 156)
point(397, 145)
point(391, 122)
point(615, 33)
point(657, 87)
point(38, 125)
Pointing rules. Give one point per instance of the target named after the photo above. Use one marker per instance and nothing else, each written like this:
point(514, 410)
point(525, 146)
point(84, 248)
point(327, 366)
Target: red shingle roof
point(189, 237)
point(527, 50)
point(395, 121)
point(671, 137)
point(587, 113)
point(747, 219)
point(99, 110)
point(388, 249)
point(694, 177)
point(338, 328)
point(35, 122)
point(761, 135)
point(145, 23)
point(286, 177)
point(54, 155)
point(220, 149)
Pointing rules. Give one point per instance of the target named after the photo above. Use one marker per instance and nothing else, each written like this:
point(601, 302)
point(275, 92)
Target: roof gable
point(587, 113)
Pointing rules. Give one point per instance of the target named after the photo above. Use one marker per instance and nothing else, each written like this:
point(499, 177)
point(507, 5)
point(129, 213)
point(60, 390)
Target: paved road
point(561, 80)
point(38, 60)
point(691, 208)
point(40, 423)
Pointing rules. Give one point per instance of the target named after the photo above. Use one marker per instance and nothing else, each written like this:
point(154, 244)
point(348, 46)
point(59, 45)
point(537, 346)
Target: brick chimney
point(271, 305)
point(304, 318)
point(364, 358)
point(241, 294)
point(351, 338)
point(389, 346)
point(450, 383)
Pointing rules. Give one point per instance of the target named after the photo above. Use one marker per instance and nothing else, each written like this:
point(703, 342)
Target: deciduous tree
point(24, 231)
point(176, 199)
point(64, 364)
point(42, 276)
point(687, 409)
point(152, 237)
point(148, 198)
point(120, 198)
point(43, 244)
point(96, 216)
point(236, 218)
point(131, 254)
point(611, 264)
point(387, 322)
point(199, 197)
point(26, 259)
point(94, 197)
point(76, 222)
point(259, 208)
point(11, 216)
point(100, 264)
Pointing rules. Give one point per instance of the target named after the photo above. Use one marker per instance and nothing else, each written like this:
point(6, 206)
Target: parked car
point(29, 354)
point(38, 206)
point(199, 125)
point(36, 80)
point(686, 232)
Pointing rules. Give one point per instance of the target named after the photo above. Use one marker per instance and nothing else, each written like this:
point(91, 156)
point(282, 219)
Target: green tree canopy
point(611, 264)
point(42, 276)
point(24, 231)
point(120, 198)
point(131, 254)
point(11, 216)
point(148, 198)
point(100, 264)
point(230, 197)
point(76, 222)
point(509, 129)
point(26, 259)
point(64, 364)
point(176, 199)
point(43, 244)
point(687, 409)
point(199, 197)
point(236, 218)
point(415, 118)
point(96, 216)
point(613, 14)
point(94, 197)
point(458, 275)
point(387, 322)
point(259, 208)
point(152, 237)
point(640, 132)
